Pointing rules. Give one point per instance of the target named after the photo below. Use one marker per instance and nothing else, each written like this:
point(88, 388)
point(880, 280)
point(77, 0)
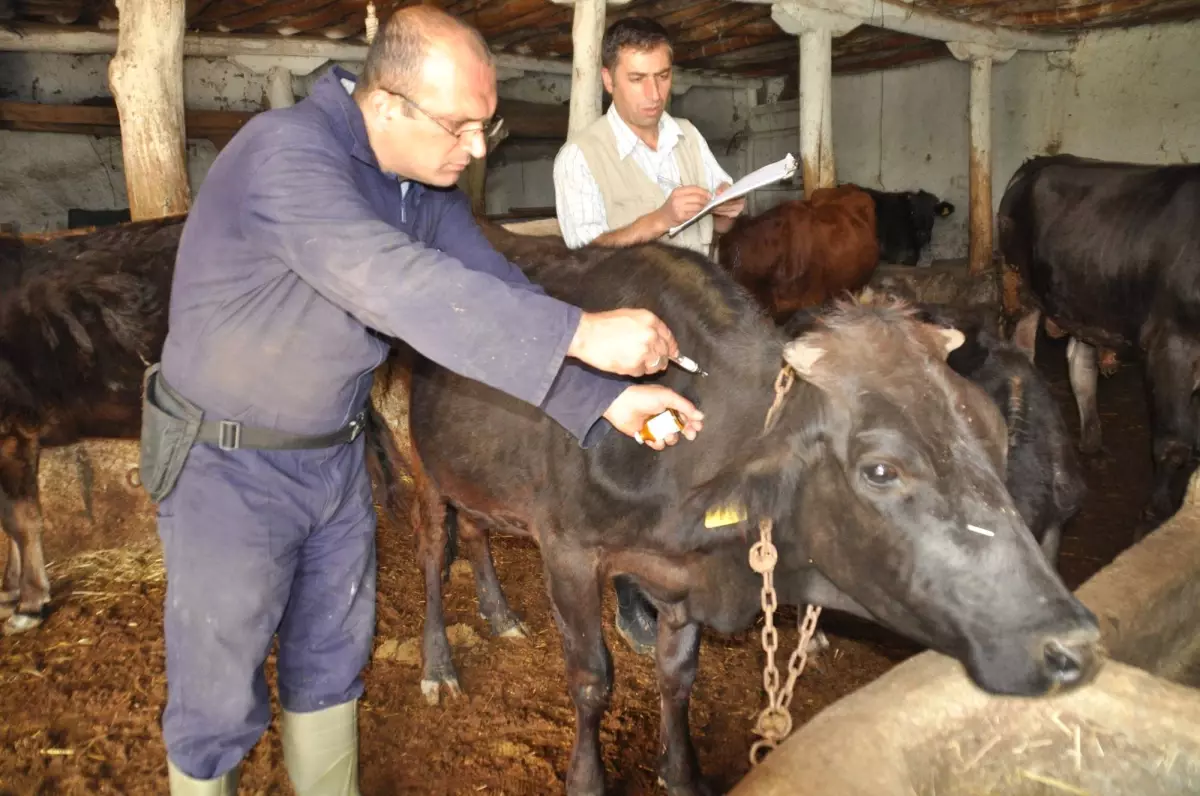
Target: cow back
point(802, 253)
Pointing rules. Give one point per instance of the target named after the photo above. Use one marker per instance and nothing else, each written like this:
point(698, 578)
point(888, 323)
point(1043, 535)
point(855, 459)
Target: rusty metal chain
point(774, 723)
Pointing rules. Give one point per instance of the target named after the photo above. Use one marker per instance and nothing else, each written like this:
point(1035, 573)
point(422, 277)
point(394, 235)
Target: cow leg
point(678, 652)
point(574, 584)
point(1173, 466)
point(492, 604)
point(429, 519)
point(1081, 362)
point(22, 520)
point(1050, 543)
point(1025, 335)
point(10, 587)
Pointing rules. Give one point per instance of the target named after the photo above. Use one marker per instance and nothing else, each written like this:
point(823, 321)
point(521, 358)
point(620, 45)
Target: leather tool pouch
point(170, 425)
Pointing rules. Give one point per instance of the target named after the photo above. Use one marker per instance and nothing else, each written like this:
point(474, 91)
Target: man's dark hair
point(637, 33)
point(395, 56)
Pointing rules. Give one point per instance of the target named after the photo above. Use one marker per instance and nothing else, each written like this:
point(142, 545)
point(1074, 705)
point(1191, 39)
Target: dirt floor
point(80, 699)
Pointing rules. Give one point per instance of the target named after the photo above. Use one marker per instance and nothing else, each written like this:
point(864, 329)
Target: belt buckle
point(357, 425)
point(230, 435)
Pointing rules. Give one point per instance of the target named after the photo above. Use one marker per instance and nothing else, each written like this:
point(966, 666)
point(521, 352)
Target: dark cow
point(1043, 474)
point(1110, 254)
point(800, 254)
point(80, 317)
point(904, 223)
point(881, 475)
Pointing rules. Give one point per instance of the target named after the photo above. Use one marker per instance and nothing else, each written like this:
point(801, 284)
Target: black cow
point(881, 475)
point(80, 317)
point(904, 223)
point(1110, 254)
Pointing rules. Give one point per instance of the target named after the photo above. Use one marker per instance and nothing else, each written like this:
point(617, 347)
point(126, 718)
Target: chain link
point(774, 723)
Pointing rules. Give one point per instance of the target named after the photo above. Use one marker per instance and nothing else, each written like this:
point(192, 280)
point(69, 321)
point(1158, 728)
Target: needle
point(688, 364)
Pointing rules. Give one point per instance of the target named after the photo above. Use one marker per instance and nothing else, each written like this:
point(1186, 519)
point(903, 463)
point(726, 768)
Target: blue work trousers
point(257, 542)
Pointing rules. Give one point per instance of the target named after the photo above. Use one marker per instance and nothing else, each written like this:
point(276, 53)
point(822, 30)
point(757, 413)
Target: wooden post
point(816, 30)
point(279, 71)
point(146, 78)
point(587, 31)
point(980, 115)
point(816, 139)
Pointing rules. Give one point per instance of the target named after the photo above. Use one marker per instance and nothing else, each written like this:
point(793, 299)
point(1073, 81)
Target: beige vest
point(629, 194)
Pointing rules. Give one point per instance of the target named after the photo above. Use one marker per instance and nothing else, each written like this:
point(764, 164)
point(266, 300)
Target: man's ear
point(606, 79)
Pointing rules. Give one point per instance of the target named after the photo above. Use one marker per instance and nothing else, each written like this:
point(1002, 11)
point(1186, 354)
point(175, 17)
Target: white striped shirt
point(578, 201)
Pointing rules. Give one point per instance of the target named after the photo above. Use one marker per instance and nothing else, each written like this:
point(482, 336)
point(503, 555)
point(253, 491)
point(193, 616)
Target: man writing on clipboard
point(628, 178)
point(636, 172)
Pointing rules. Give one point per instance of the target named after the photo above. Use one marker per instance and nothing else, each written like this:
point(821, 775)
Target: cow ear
point(950, 340)
point(803, 354)
point(761, 483)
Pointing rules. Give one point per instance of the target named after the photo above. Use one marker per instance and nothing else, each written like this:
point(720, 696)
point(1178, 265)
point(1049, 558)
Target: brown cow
point(800, 254)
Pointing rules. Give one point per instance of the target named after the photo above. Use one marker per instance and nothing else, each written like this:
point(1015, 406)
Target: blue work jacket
point(299, 251)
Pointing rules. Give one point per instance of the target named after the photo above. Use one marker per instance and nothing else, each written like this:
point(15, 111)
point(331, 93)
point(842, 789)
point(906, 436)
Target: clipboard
point(774, 172)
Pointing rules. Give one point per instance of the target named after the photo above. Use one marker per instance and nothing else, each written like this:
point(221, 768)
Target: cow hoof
point(432, 689)
point(1090, 445)
point(698, 788)
point(20, 623)
point(818, 643)
point(506, 626)
point(517, 630)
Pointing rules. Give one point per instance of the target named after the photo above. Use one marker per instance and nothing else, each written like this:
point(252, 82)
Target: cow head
point(923, 209)
point(885, 478)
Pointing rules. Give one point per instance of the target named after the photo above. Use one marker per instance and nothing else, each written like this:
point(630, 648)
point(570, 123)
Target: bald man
point(320, 229)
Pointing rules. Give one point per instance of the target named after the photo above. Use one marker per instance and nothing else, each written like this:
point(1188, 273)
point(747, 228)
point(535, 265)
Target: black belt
point(229, 435)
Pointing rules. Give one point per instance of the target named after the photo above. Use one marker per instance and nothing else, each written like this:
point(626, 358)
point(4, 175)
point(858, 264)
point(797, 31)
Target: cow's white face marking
point(980, 531)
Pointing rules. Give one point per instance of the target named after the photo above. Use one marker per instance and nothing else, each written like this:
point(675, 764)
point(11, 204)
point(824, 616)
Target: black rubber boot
point(637, 621)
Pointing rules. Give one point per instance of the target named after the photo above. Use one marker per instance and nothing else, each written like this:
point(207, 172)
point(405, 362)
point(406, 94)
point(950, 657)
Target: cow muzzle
point(1071, 659)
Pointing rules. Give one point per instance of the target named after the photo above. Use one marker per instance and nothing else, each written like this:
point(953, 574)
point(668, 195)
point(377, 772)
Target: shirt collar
point(348, 83)
point(627, 140)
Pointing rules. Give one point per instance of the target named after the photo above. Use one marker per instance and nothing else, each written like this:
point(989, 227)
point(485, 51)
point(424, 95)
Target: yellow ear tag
point(724, 515)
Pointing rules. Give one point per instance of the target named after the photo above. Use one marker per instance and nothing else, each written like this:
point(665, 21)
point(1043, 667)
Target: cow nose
point(1070, 659)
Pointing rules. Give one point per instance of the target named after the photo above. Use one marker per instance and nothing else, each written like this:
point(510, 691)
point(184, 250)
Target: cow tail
point(388, 468)
point(386, 465)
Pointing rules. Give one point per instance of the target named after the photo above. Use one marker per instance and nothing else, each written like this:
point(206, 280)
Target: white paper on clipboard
point(771, 173)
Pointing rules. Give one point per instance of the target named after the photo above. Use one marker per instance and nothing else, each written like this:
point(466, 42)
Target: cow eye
point(880, 474)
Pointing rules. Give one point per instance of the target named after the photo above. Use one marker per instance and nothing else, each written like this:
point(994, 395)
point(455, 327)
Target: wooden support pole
point(816, 30)
point(980, 116)
point(146, 78)
point(587, 31)
point(816, 139)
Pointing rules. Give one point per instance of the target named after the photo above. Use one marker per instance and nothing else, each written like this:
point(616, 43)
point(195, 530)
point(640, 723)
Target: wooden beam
point(51, 39)
point(522, 120)
point(717, 23)
point(33, 117)
point(146, 77)
point(907, 18)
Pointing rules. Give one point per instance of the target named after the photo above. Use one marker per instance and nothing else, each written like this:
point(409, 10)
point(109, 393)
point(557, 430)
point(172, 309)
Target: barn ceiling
point(732, 38)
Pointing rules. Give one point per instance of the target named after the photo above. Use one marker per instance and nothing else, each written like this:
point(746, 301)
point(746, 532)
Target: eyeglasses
point(490, 129)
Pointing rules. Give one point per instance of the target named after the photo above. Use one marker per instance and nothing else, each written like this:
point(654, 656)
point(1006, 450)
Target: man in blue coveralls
point(318, 227)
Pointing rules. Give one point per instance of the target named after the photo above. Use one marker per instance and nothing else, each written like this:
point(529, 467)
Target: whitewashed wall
point(1129, 95)
point(42, 175)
